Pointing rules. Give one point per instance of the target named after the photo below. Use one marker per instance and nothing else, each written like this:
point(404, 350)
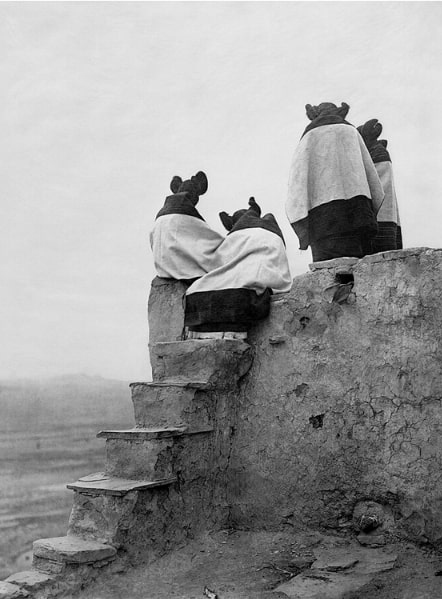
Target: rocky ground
point(235, 564)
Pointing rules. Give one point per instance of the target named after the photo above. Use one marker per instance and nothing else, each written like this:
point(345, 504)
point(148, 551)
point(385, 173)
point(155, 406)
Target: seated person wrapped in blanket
point(334, 190)
point(389, 236)
point(253, 265)
point(183, 245)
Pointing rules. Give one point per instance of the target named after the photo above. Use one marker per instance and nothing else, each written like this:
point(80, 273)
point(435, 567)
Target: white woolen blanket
point(249, 259)
point(389, 210)
point(330, 163)
point(184, 247)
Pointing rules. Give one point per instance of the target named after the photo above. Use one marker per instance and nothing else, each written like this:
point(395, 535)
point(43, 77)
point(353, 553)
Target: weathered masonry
point(343, 400)
point(334, 401)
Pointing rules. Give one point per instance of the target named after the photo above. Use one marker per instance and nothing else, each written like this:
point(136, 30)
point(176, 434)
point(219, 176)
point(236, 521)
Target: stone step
point(149, 434)
point(101, 483)
point(139, 459)
point(171, 404)
point(177, 382)
point(220, 362)
point(122, 512)
point(166, 309)
point(31, 580)
point(11, 591)
point(72, 549)
point(146, 453)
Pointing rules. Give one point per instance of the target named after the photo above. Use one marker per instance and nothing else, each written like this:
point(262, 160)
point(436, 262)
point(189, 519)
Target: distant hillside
point(70, 400)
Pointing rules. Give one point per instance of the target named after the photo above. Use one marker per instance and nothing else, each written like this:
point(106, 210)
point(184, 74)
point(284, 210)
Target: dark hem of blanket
point(225, 309)
point(328, 119)
point(379, 153)
point(336, 218)
point(399, 243)
point(179, 203)
point(353, 245)
point(389, 237)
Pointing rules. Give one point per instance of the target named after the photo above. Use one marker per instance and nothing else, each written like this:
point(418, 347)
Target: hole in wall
point(344, 278)
point(317, 421)
point(301, 389)
point(304, 320)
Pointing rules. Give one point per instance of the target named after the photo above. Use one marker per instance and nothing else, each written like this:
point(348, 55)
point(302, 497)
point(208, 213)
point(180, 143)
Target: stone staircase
point(163, 480)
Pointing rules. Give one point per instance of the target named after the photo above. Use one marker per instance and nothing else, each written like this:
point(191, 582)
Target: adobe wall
point(343, 400)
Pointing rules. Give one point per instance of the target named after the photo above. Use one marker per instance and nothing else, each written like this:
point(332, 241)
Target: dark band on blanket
point(179, 203)
point(250, 221)
point(399, 244)
point(328, 119)
point(379, 153)
point(388, 238)
point(335, 218)
point(353, 245)
point(225, 309)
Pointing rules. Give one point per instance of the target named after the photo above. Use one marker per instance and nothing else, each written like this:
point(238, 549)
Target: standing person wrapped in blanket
point(389, 236)
point(253, 265)
point(183, 245)
point(334, 191)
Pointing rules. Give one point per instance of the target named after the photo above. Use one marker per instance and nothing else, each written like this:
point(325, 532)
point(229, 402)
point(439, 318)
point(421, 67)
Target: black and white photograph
point(221, 281)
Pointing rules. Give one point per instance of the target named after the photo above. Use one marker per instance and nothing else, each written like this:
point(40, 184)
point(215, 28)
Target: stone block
point(176, 404)
point(30, 580)
point(338, 571)
point(335, 263)
point(220, 362)
point(361, 560)
point(102, 483)
point(146, 454)
point(394, 255)
point(11, 591)
point(139, 459)
point(144, 434)
point(72, 549)
point(372, 539)
point(166, 310)
point(143, 523)
point(102, 517)
point(49, 566)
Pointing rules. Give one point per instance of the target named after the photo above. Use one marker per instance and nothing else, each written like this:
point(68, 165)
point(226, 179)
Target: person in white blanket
point(183, 245)
point(334, 191)
point(389, 236)
point(253, 266)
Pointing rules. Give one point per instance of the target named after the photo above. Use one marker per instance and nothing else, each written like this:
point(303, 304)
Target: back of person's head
point(194, 187)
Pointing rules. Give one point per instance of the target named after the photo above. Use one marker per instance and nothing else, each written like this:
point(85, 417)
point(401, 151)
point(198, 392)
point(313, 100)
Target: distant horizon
point(66, 375)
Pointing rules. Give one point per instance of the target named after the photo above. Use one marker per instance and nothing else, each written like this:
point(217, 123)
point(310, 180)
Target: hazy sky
point(102, 103)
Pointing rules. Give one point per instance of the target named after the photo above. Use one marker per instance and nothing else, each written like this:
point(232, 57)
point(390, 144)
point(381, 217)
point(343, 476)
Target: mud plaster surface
point(343, 401)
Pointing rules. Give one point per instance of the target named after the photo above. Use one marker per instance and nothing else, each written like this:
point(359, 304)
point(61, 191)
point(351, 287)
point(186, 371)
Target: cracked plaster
point(372, 367)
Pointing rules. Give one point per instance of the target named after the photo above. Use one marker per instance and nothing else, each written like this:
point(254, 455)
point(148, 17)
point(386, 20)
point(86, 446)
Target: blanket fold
point(183, 245)
point(332, 164)
point(253, 265)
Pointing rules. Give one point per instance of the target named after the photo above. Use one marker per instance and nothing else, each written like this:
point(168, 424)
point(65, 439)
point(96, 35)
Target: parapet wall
point(343, 400)
point(342, 403)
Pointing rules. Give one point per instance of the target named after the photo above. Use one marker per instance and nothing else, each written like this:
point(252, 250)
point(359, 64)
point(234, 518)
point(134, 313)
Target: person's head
point(325, 109)
point(370, 131)
point(194, 187)
point(230, 221)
